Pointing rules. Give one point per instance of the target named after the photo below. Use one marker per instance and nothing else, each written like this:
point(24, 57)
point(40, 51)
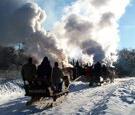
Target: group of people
point(97, 71)
point(93, 72)
point(101, 70)
point(43, 76)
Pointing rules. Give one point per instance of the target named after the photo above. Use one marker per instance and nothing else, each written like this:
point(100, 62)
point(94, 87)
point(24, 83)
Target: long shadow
point(18, 107)
point(78, 87)
point(127, 99)
point(101, 106)
point(127, 96)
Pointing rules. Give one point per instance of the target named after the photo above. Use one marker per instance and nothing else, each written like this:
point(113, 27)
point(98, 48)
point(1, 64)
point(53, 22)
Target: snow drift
point(113, 99)
point(11, 89)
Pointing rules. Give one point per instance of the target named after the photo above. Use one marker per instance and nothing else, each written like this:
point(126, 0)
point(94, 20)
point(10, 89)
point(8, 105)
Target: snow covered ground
point(113, 99)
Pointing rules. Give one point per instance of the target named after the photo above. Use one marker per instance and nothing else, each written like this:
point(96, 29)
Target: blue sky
point(54, 10)
point(127, 27)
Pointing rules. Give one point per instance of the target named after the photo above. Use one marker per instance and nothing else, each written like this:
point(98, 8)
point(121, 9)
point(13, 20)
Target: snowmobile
point(40, 95)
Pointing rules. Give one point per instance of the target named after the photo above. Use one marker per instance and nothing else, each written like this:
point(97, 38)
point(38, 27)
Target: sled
point(37, 94)
point(40, 94)
point(44, 92)
point(47, 102)
point(44, 103)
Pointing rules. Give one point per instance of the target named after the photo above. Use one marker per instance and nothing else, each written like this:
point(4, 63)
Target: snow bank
point(117, 98)
point(77, 86)
point(10, 89)
point(112, 99)
point(122, 101)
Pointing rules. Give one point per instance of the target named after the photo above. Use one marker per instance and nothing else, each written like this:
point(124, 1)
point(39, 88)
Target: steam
point(88, 29)
point(23, 24)
point(93, 48)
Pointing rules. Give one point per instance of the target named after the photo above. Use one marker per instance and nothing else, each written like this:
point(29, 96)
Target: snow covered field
point(113, 99)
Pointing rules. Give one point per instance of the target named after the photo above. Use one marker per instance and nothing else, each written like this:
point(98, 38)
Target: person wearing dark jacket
point(28, 71)
point(104, 72)
point(57, 77)
point(44, 72)
point(97, 72)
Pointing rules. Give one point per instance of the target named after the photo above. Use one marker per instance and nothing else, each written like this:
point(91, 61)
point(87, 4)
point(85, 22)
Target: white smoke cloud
point(88, 30)
point(90, 27)
point(23, 23)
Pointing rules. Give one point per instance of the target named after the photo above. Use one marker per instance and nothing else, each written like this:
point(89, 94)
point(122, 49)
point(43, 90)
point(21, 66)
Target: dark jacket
point(28, 72)
point(57, 75)
point(44, 73)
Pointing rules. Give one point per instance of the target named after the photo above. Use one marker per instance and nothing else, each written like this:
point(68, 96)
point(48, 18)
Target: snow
point(10, 89)
point(117, 98)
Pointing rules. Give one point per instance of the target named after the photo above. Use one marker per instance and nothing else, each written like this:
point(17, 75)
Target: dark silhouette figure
point(29, 72)
point(97, 72)
point(104, 72)
point(57, 77)
point(44, 74)
point(92, 78)
point(75, 70)
point(111, 74)
point(78, 70)
point(87, 71)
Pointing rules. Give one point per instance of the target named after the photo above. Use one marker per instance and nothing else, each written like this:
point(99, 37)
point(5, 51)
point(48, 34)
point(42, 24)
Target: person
point(57, 77)
point(87, 71)
point(92, 78)
point(97, 72)
point(111, 74)
point(76, 70)
point(44, 74)
point(104, 73)
point(28, 71)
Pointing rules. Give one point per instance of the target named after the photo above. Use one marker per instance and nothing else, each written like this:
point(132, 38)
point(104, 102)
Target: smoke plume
point(90, 28)
point(21, 22)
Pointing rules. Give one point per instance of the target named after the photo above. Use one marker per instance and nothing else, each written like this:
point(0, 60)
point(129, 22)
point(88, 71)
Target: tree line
point(11, 57)
point(125, 64)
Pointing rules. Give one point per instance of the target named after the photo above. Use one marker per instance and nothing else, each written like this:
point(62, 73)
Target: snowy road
point(114, 99)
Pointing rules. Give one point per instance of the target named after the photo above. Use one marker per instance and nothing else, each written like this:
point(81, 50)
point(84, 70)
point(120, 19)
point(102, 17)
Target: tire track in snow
point(101, 106)
point(84, 101)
